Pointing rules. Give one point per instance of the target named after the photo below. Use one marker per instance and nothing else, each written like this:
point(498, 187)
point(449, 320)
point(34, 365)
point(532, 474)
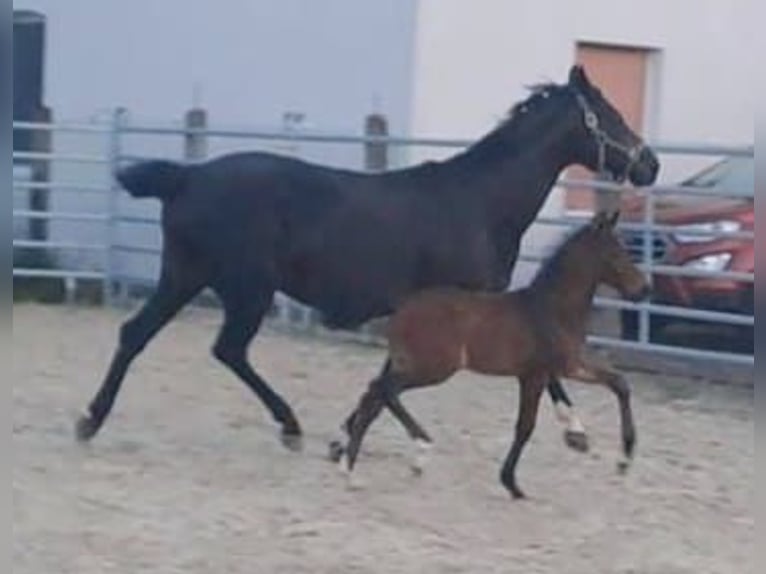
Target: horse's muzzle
point(646, 168)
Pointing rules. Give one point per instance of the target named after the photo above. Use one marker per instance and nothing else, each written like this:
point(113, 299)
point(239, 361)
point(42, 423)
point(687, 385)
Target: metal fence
point(89, 231)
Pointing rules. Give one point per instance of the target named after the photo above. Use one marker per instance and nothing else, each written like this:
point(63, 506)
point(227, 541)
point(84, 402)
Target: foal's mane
point(550, 271)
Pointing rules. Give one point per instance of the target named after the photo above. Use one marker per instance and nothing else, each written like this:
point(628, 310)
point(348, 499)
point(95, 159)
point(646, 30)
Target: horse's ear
point(600, 221)
point(577, 77)
point(605, 220)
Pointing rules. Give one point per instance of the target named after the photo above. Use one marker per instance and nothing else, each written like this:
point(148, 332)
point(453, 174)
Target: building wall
point(473, 59)
point(447, 68)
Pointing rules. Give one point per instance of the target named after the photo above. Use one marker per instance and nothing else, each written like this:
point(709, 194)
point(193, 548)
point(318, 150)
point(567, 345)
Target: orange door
point(621, 73)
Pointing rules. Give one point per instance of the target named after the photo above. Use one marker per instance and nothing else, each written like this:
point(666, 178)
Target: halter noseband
point(604, 141)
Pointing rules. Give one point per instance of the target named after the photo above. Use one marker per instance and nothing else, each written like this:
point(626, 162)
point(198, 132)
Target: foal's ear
point(605, 220)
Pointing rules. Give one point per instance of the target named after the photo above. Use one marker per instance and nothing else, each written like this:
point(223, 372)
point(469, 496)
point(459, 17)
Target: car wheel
point(747, 334)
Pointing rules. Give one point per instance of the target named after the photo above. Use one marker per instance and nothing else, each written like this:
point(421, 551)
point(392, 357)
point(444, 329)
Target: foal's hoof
point(576, 440)
point(336, 451)
point(86, 428)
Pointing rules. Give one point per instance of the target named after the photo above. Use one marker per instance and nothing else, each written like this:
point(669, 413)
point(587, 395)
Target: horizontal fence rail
point(457, 143)
point(118, 229)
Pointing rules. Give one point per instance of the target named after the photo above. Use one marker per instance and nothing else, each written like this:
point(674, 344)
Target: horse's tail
point(158, 178)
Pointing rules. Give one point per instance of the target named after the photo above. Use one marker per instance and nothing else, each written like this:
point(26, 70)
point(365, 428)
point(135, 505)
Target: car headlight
point(710, 263)
point(701, 232)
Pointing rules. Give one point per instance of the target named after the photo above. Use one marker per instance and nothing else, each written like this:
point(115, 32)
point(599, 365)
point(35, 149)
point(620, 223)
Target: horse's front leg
point(589, 373)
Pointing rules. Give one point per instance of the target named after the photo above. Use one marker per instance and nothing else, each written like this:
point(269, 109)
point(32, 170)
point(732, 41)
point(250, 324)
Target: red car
point(697, 243)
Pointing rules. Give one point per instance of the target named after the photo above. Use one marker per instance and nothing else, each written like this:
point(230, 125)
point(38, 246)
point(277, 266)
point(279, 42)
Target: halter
point(604, 141)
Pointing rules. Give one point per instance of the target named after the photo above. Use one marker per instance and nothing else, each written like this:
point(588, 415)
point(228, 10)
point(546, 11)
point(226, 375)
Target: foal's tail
point(158, 178)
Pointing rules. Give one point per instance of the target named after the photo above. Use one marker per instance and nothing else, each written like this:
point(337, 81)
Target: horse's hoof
point(517, 494)
point(86, 428)
point(577, 441)
point(623, 467)
point(336, 451)
point(417, 470)
point(292, 441)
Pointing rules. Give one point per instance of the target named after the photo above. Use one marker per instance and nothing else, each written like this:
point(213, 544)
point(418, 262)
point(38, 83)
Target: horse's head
point(605, 143)
point(614, 266)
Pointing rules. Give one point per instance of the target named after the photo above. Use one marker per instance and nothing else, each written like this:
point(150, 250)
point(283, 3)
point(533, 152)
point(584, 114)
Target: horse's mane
point(511, 130)
point(537, 93)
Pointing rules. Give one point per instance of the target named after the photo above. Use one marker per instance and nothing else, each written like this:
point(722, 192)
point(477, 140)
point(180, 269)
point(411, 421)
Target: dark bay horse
point(353, 245)
point(532, 333)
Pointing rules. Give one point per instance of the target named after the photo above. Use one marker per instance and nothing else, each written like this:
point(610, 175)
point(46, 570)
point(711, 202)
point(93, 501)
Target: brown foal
point(532, 333)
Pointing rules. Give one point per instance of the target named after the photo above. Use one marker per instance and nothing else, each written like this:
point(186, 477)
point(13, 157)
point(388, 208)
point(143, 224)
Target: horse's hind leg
point(243, 317)
point(171, 295)
point(574, 435)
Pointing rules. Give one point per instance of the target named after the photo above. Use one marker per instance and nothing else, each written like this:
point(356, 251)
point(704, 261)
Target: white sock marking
point(352, 478)
point(566, 415)
point(563, 413)
point(575, 425)
point(422, 455)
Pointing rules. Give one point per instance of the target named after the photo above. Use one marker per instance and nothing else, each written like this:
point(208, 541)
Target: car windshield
point(734, 176)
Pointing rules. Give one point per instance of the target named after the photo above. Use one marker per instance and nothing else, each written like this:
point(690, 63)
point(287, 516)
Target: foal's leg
point(171, 295)
point(530, 390)
point(339, 446)
point(369, 408)
point(619, 386)
point(393, 386)
point(390, 387)
point(243, 317)
point(574, 435)
point(400, 413)
point(349, 422)
point(397, 409)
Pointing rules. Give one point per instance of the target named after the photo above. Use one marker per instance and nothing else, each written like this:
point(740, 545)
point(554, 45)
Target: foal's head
point(598, 244)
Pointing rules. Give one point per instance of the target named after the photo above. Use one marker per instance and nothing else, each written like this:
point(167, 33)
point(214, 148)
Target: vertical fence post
point(375, 160)
point(40, 142)
point(195, 138)
point(114, 153)
point(644, 322)
point(375, 152)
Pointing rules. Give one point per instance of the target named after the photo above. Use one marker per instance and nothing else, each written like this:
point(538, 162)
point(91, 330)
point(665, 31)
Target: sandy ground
point(188, 475)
